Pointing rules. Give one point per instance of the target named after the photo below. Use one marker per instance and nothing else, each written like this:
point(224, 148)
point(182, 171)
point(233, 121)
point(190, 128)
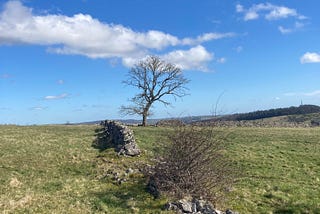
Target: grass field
point(55, 169)
point(282, 170)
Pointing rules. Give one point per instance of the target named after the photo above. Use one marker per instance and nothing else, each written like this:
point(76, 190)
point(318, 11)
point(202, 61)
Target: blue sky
point(65, 60)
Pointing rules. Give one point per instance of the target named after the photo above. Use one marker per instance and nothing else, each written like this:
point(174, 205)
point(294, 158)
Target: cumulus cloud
point(81, 34)
point(194, 58)
point(269, 11)
point(56, 97)
point(310, 58)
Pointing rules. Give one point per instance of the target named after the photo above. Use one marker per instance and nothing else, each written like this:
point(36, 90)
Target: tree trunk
point(144, 119)
point(145, 114)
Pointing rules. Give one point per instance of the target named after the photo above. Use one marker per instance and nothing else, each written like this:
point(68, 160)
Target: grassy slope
point(301, 118)
point(47, 169)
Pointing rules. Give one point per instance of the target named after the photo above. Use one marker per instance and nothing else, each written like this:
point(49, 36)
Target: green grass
point(55, 169)
point(281, 170)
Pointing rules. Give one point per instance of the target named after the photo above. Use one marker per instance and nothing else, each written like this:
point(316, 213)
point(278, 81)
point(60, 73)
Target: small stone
point(185, 205)
point(129, 171)
point(219, 212)
point(194, 208)
point(228, 211)
point(171, 206)
point(199, 204)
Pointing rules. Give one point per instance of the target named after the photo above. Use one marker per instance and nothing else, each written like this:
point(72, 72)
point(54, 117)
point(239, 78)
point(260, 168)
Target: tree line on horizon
point(302, 109)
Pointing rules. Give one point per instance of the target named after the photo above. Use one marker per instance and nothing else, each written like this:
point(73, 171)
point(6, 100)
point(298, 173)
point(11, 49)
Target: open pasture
point(55, 169)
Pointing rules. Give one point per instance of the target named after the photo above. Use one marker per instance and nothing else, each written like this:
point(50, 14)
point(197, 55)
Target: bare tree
point(154, 79)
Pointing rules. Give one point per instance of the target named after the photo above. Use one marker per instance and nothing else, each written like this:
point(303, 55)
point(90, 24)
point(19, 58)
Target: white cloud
point(82, 34)
point(284, 30)
point(205, 38)
point(239, 8)
point(60, 82)
point(310, 58)
point(56, 97)
point(251, 15)
point(221, 60)
point(194, 58)
point(277, 12)
point(297, 26)
point(302, 17)
point(270, 12)
point(130, 61)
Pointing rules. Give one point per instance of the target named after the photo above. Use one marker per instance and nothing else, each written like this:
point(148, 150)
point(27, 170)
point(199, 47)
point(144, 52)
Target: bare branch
point(193, 164)
point(154, 79)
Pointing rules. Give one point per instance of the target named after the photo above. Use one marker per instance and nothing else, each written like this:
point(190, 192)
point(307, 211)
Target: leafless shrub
point(194, 164)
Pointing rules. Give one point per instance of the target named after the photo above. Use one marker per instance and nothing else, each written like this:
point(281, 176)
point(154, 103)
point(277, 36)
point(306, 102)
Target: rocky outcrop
point(121, 137)
point(195, 206)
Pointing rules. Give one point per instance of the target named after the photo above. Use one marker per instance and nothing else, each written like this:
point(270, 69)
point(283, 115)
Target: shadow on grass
point(295, 208)
point(127, 198)
point(101, 141)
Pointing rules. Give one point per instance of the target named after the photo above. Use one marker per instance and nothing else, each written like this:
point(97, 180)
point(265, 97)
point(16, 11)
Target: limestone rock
point(195, 206)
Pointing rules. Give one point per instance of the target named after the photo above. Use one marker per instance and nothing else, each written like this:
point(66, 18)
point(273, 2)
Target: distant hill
point(302, 114)
point(186, 120)
point(301, 110)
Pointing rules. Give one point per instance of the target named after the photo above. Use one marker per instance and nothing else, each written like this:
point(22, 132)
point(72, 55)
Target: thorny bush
point(194, 163)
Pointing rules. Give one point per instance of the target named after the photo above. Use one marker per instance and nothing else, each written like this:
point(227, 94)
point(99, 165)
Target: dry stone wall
point(121, 137)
